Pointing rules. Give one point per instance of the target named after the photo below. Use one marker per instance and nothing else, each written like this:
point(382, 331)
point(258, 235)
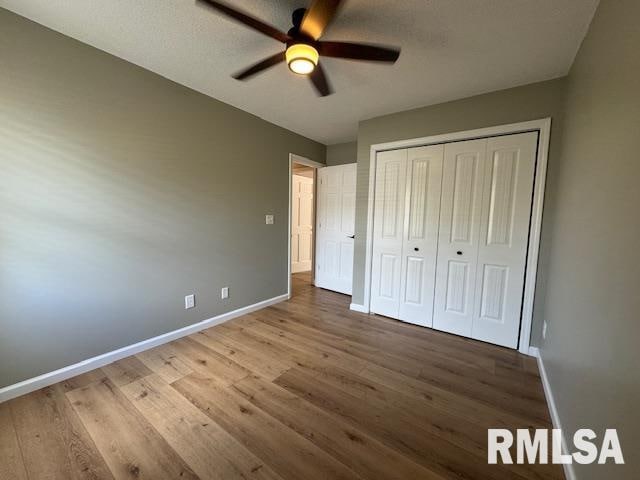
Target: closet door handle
point(458, 252)
point(351, 236)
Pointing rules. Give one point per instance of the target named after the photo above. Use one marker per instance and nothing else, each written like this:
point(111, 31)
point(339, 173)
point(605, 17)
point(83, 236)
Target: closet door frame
point(543, 127)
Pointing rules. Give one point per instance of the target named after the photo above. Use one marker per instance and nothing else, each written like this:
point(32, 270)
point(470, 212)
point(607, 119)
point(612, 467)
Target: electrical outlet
point(544, 330)
point(189, 301)
point(224, 293)
point(268, 219)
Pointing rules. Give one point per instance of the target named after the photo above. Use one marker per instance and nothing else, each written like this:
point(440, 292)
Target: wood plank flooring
point(302, 390)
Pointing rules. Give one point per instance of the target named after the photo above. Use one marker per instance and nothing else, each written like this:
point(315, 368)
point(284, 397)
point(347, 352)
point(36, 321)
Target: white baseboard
point(358, 308)
point(44, 380)
point(569, 472)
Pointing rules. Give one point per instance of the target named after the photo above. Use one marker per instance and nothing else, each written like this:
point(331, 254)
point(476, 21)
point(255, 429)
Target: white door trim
point(293, 158)
point(543, 126)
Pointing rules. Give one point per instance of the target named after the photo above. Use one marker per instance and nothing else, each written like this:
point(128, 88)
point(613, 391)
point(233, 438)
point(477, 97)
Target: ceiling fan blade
point(260, 66)
point(319, 80)
point(245, 19)
point(319, 16)
point(358, 51)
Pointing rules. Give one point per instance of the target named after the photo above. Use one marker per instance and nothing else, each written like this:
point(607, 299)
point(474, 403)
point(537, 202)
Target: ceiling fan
point(304, 47)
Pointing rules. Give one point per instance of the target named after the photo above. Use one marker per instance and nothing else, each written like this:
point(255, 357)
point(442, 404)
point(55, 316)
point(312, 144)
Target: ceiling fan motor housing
point(304, 46)
point(297, 17)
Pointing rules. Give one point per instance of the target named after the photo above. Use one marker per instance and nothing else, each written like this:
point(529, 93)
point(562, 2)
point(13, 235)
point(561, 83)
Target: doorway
point(302, 220)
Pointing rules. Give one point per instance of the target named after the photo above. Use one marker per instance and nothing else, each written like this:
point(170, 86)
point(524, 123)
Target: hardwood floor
point(302, 390)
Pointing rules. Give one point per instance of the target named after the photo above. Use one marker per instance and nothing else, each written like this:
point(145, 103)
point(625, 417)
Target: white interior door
point(420, 246)
point(462, 184)
point(301, 223)
point(336, 227)
point(388, 232)
point(504, 233)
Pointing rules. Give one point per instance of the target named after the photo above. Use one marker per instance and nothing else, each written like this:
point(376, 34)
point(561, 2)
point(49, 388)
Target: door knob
point(459, 252)
point(416, 249)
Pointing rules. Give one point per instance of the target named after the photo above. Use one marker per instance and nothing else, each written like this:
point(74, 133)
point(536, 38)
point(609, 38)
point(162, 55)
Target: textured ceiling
point(450, 49)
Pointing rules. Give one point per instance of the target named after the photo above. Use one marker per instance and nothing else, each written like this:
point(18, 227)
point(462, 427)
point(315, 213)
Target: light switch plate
point(224, 292)
point(268, 219)
point(189, 302)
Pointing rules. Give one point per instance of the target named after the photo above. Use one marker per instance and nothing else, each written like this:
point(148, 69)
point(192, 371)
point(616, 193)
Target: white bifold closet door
point(406, 233)
point(336, 227)
point(487, 189)
point(451, 226)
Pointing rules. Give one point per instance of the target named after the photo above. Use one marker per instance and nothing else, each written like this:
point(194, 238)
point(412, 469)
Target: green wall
point(529, 102)
point(342, 153)
point(120, 193)
point(592, 306)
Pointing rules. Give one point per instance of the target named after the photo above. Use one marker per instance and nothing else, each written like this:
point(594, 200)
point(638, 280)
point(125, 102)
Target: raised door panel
point(462, 184)
point(493, 292)
point(505, 219)
point(414, 287)
point(331, 220)
point(502, 184)
point(305, 219)
point(388, 226)
point(420, 195)
point(387, 279)
point(420, 243)
point(457, 292)
point(464, 196)
point(390, 201)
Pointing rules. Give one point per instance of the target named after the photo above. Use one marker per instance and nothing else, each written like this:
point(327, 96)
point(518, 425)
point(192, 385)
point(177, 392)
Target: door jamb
point(543, 127)
point(293, 158)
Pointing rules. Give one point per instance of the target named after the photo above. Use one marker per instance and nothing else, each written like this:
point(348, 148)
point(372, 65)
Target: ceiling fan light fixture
point(302, 58)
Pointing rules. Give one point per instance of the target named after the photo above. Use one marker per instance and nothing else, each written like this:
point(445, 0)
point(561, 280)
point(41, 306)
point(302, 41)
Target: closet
point(450, 233)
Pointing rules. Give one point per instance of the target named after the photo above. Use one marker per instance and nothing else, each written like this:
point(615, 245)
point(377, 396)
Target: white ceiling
point(450, 49)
